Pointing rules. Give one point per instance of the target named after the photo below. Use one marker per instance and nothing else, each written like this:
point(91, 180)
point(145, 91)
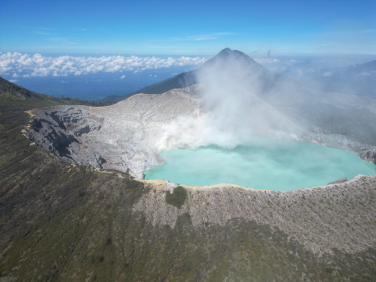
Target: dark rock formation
point(368, 155)
point(58, 130)
point(338, 181)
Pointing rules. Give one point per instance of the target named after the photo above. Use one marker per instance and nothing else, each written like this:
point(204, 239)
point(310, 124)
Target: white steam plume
point(234, 111)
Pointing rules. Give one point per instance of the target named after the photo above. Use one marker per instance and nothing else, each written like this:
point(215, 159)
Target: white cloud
point(276, 65)
point(270, 61)
point(13, 80)
point(63, 81)
point(122, 77)
point(367, 73)
point(201, 37)
point(38, 65)
point(61, 39)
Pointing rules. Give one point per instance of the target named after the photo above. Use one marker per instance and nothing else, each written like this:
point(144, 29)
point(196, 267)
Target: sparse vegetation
point(60, 222)
point(177, 198)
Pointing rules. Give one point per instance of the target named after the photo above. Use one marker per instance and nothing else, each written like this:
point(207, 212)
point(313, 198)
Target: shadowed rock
point(338, 181)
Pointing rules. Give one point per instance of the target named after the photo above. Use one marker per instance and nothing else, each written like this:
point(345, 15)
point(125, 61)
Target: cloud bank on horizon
point(19, 65)
point(24, 65)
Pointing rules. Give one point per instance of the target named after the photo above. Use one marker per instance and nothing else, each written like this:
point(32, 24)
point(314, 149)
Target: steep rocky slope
point(129, 135)
point(123, 137)
point(61, 222)
point(322, 218)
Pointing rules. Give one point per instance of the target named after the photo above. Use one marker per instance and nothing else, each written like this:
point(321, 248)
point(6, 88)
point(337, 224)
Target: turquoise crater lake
point(263, 164)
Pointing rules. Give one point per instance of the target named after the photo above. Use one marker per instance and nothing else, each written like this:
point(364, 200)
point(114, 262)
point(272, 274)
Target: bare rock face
point(122, 137)
point(369, 155)
point(61, 130)
point(344, 179)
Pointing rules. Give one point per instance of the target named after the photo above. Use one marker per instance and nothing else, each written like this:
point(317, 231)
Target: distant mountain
point(364, 68)
point(357, 79)
point(182, 80)
point(13, 95)
point(321, 102)
point(11, 89)
point(238, 69)
point(222, 60)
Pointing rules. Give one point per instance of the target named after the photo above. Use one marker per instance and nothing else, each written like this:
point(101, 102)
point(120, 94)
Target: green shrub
point(177, 198)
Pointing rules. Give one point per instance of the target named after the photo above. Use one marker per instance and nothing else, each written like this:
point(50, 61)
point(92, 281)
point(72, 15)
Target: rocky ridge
point(129, 135)
point(321, 218)
point(124, 136)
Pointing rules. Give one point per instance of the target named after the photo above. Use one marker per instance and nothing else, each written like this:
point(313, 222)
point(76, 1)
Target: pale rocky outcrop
point(124, 136)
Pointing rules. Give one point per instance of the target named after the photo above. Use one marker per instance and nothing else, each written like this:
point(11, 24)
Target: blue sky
point(188, 27)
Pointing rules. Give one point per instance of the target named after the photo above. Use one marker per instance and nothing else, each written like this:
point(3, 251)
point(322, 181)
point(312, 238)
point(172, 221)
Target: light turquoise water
point(264, 164)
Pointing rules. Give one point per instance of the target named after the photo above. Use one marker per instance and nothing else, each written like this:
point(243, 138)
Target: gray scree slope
point(337, 216)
